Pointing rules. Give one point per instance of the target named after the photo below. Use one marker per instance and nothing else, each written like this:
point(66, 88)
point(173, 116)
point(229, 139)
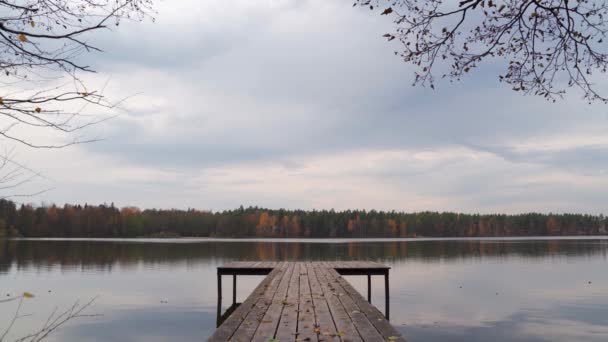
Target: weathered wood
point(361, 322)
point(373, 314)
point(252, 320)
point(288, 326)
point(324, 320)
point(270, 321)
point(345, 328)
point(304, 301)
point(306, 316)
point(227, 329)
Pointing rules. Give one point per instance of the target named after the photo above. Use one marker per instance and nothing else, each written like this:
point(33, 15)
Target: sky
point(303, 104)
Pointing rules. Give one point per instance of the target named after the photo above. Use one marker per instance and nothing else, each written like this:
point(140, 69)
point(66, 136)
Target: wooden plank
point(373, 314)
point(361, 322)
point(306, 301)
point(226, 330)
point(288, 325)
point(267, 264)
point(324, 320)
point(240, 265)
point(252, 320)
point(237, 264)
point(345, 327)
point(306, 317)
point(270, 321)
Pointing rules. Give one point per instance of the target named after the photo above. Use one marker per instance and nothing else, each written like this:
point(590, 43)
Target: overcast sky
point(302, 104)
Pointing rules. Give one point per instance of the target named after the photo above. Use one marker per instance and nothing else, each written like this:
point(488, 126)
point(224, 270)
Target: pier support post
point(234, 289)
point(387, 295)
point(219, 286)
point(219, 297)
point(369, 288)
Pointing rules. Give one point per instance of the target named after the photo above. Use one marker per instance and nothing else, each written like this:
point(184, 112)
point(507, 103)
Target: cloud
point(303, 104)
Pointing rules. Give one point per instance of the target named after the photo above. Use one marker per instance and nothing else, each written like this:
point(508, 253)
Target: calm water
point(456, 290)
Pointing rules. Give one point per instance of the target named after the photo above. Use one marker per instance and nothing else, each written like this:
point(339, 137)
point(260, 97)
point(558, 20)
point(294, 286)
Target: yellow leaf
point(22, 38)
point(38, 110)
point(32, 23)
point(27, 295)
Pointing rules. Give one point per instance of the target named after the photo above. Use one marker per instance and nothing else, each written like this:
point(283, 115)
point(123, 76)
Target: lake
point(441, 289)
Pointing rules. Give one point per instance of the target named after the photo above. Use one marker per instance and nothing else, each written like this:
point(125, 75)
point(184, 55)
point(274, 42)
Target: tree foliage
point(109, 221)
point(547, 45)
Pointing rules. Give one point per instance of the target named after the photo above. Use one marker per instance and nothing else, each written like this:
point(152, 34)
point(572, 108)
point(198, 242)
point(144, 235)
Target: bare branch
point(40, 45)
point(548, 45)
point(53, 322)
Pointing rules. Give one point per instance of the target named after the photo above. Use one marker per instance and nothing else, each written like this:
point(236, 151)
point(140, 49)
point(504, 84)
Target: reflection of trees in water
point(105, 255)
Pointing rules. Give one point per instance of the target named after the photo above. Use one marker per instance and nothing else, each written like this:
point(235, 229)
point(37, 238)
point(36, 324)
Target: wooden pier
point(304, 301)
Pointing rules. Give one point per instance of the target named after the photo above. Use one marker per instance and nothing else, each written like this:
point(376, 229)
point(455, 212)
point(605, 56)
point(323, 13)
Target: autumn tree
point(552, 226)
point(107, 221)
point(393, 227)
point(295, 230)
point(545, 46)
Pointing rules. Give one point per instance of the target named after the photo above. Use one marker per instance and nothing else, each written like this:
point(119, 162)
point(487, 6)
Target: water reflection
point(456, 290)
point(99, 255)
point(150, 325)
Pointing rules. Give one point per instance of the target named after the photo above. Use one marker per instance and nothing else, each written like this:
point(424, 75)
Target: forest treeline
point(109, 221)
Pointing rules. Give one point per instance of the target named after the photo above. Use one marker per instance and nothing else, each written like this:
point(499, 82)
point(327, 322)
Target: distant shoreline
point(108, 221)
point(311, 240)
